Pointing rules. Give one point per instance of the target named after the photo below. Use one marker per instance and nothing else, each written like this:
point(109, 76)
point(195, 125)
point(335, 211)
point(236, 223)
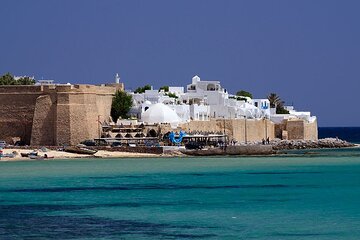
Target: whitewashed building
point(204, 100)
point(293, 114)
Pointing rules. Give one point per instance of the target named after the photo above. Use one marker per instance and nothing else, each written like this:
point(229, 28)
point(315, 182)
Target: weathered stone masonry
point(53, 115)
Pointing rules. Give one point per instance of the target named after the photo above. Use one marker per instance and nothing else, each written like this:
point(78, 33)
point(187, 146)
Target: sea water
point(350, 134)
point(315, 195)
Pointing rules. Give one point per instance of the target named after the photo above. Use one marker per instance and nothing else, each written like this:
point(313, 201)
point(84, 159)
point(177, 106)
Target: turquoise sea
point(294, 196)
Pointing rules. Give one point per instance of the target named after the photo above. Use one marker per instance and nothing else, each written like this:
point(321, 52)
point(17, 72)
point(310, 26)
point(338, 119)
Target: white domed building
point(249, 111)
point(160, 113)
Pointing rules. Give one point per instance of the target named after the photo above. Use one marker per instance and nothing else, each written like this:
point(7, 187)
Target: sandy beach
point(53, 154)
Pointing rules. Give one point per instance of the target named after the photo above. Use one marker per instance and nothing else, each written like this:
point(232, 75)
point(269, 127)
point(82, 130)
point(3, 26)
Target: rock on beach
point(307, 144)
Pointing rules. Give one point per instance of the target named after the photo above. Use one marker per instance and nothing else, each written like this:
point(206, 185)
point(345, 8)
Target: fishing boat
point(33, 157)
point(80, 150)
point(48, 157)
point(28, 154)
point(8, 155)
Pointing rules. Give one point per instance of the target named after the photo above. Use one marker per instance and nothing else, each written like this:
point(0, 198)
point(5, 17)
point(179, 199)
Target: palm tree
point(275, 100)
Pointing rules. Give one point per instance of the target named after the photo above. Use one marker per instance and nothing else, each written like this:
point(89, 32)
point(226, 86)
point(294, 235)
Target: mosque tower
point(117, 78)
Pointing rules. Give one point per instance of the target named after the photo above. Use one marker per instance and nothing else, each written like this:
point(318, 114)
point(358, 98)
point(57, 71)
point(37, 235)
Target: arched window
point(119, 135)
point(152, 133)
point(211, 87)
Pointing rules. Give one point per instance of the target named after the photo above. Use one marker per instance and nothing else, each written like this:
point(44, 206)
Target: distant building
point(116, 84)
point(18, 77)
point(44, 82)
point(203, 100)
point(206, 105)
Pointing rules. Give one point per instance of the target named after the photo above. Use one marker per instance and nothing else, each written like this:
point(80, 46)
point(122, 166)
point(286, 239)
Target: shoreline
point(278, 147)
point(55, 155)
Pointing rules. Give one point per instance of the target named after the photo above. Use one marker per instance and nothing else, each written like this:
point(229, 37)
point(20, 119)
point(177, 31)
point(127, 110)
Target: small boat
point(28, 154)
point(47, 157)
point(80, 150)
point(8, 155)
point(33, 157)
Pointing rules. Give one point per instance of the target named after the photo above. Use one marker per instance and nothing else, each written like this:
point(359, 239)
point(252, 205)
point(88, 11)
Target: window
point(192, 87)
point(211, 87)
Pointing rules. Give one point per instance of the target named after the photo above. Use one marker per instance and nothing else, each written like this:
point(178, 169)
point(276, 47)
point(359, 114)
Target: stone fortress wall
point(238, 129)
point(17, 107)
point(53, 114)
point(296, 129)
point(241, 130)
point(251, 130)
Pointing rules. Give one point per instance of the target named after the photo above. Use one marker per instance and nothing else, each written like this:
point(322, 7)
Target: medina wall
point(53, 115)
point(240, 130)
point(80, 109)
point(252, 129)
point(255, 129)
point(17, 107)
point(44, 121)
point(311, 131)
point(297, 129)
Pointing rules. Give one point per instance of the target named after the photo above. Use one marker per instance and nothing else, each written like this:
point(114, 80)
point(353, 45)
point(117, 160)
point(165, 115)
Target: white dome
point(160, 113)
point(249, 110)
point(147, 102)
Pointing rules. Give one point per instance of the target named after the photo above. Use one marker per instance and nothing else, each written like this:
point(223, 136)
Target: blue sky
point(307, 51)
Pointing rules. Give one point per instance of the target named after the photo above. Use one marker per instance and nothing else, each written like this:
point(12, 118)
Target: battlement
point(20, 89)
point(59, 88)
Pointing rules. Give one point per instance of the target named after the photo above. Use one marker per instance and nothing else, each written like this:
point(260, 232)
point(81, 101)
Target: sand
point(53, 154)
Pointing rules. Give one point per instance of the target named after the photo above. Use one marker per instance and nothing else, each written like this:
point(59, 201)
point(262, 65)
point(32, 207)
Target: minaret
point(117, 78)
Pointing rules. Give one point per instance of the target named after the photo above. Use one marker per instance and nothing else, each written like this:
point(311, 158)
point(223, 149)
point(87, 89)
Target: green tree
point(121, 104)
point(25, 81)
point(142, 89)
point(165, 88)
point(276, 102)
point(8, 79)
point(172, 95)
point(281, 110)
point(244, 93)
